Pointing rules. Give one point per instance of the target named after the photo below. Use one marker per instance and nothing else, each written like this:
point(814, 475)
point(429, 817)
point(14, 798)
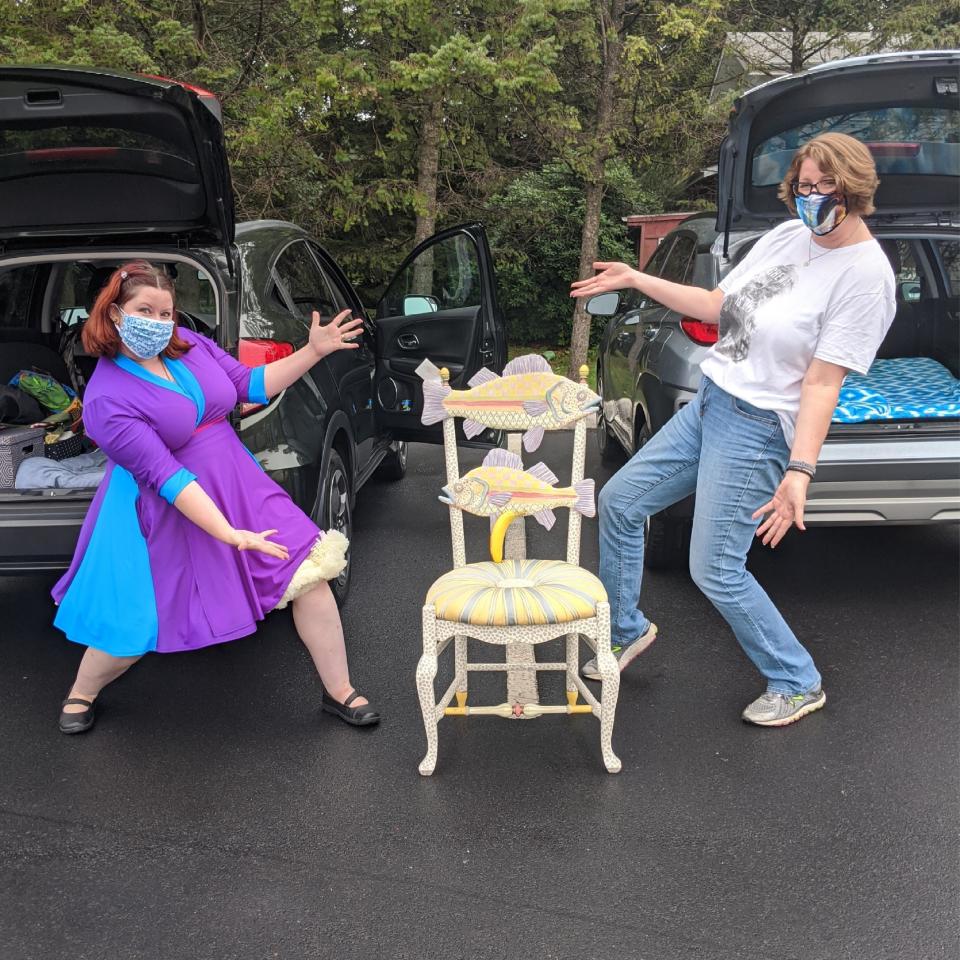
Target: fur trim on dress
point(325, 561)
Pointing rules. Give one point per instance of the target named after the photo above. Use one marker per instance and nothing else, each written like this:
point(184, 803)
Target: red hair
point(100, 335)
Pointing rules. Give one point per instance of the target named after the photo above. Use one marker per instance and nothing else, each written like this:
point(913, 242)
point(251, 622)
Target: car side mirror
point(415, 304)
point(603, 304)
point(910, 291)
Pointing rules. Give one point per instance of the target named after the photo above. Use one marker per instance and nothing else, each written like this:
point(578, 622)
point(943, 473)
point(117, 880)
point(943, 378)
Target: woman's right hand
point(248, 540)
point(611, 276)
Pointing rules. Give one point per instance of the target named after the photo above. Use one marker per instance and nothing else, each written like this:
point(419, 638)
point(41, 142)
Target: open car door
point(440, 306)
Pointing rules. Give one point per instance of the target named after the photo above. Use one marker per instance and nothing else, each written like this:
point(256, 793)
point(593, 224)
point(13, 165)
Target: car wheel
point(394, 465)
point(335, 514)
point(607, 443)
point(667, 544)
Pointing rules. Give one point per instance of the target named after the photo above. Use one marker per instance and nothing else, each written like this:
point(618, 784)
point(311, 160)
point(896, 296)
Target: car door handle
point(408, 341)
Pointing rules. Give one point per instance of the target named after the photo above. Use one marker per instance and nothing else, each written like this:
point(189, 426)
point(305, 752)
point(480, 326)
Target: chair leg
point(610, 689)
point(460, 665)
point(426, 672)
point(573, 660)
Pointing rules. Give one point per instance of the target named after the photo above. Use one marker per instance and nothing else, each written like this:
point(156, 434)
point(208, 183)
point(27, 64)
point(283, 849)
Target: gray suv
point(900, 464)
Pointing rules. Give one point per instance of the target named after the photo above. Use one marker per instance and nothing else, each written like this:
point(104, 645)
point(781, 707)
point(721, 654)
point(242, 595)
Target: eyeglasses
point(823, 187)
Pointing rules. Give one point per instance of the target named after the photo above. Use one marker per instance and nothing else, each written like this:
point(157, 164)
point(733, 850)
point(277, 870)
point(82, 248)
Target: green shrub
point(534, 227)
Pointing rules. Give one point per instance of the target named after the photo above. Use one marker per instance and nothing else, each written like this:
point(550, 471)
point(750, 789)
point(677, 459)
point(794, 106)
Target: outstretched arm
point(691, 301)
point(132, 443)
point(339, 334)
point(195, 504)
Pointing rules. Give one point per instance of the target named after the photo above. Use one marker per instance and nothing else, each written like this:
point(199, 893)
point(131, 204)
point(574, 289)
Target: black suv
point(97, 168)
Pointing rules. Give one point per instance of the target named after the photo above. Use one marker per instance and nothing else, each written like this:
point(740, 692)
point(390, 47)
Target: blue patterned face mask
point(143, 336)
point(822, 213)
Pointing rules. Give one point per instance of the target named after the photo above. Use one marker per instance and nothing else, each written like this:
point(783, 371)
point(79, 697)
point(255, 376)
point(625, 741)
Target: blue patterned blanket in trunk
point(903, 388)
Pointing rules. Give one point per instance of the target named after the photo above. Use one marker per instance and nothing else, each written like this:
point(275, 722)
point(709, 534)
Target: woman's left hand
point(786, 506)
point(338, 334)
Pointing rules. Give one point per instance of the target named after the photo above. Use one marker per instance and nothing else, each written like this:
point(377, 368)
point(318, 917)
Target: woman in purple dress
point(188, 542)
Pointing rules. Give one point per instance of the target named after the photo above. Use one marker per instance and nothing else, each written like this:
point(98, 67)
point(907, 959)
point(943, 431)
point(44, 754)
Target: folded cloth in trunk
point(900, 388)
point(86, 470)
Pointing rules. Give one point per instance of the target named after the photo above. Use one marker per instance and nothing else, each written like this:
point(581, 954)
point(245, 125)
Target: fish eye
point(458, 487)
point(581, 395)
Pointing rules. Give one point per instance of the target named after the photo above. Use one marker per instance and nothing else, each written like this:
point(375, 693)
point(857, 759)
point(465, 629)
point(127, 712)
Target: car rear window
point(903, 140)
point(62, 148)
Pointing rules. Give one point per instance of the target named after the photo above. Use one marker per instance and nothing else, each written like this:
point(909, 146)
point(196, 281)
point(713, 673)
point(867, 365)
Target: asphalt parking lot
point(214, 813)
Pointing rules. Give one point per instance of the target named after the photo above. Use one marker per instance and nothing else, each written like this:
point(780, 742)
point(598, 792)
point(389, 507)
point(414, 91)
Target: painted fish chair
point(515, 602)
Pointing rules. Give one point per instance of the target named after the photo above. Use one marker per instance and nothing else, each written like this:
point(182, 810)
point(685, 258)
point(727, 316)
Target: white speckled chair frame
point(568, 612)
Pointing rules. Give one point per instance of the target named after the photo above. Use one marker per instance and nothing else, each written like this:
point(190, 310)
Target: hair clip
point(123, 274)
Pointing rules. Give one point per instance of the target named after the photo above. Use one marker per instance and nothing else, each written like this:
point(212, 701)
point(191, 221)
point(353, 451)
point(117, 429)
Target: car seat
point(27, 355)
point(70, 342)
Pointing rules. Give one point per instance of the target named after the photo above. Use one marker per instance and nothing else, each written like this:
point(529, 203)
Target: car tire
point(336, 514)
point(393, 466)
point(607, 443)
point(667, 539)
point(667, 543)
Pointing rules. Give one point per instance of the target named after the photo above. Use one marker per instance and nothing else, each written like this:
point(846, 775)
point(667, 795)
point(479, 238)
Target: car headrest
point(97, 281)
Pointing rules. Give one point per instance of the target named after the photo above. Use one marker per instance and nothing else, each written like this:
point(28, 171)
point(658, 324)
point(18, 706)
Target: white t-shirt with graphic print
point(779, 313)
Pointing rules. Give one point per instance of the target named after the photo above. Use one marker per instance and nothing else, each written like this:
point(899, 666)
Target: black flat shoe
point(357, 716)
point(77, 722)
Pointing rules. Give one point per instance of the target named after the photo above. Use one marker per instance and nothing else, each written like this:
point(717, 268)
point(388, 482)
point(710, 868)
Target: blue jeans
point(732, 455)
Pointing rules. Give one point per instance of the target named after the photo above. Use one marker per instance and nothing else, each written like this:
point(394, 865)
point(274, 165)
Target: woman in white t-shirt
point(811, 301)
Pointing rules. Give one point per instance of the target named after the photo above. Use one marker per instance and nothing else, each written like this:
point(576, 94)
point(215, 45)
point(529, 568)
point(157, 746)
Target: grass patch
point(557, 357)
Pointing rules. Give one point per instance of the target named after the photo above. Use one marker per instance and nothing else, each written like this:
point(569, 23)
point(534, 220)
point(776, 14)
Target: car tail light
point(45, 154)
point(704, 334)
point(894, 149)
point(255, 353)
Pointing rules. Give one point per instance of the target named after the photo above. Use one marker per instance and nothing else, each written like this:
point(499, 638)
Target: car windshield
point(903, 140)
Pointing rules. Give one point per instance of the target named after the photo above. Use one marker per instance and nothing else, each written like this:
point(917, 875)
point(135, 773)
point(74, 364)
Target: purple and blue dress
point(144, 577)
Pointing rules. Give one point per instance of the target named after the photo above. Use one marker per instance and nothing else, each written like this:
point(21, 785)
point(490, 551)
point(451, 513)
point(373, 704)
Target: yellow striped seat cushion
point(516, 593)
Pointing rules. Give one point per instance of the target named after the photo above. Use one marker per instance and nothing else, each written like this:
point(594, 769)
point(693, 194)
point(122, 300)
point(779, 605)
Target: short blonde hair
point(845, 159)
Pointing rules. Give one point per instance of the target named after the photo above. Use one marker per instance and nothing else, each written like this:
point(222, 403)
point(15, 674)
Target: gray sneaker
point(623, 655)
point(780, 709)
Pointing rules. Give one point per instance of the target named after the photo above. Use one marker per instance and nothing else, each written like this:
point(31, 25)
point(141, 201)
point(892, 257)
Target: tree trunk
point(610, 16)
point(428, 163)
point(589, 245)
point(798, 44)
point(199, 25)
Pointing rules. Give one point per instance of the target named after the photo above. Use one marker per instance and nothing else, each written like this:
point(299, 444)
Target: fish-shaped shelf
point(501, 483)
point(529, 397)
